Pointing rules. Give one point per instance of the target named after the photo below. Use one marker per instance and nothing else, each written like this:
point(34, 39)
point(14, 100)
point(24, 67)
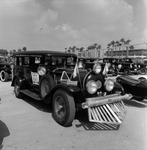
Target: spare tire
point(46, 84)
point(4, 76)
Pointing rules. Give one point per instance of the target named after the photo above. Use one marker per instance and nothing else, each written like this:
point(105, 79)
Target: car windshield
point(60, 61)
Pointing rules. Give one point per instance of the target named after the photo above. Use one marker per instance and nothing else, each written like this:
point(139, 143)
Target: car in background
point(55, 78)
point(135, 85)
point(5, 69)
point(122, 65)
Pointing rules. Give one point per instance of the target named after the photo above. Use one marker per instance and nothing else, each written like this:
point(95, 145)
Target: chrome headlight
point(91, 87)
point(119, 66)
point(138, 66)
point(109, 85)
point(97, 68)
point(41, 70)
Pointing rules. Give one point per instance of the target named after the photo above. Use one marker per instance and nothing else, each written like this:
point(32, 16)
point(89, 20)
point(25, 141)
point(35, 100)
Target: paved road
point(28, 125)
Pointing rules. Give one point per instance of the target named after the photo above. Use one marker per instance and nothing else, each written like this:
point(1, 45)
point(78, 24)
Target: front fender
point(72, 90)
point(19, 76)
point(118, 87)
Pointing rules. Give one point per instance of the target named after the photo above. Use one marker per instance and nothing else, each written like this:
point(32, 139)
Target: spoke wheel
point(4, 76)
point(63, 108)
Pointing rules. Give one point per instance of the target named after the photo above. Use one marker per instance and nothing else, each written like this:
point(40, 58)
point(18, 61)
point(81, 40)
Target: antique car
point(135, 85)
point(86, 63)
point(56, 79)
point(137, 66)
point(122, 66)
point(5, 69)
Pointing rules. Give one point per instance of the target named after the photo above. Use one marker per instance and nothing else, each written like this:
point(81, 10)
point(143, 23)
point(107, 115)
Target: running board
point(31, 94)
point(113, 113)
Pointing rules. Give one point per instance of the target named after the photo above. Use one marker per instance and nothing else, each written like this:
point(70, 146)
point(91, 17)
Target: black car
point(5, 69)
point(54, 78)
point(137, 86)
point(122, 65)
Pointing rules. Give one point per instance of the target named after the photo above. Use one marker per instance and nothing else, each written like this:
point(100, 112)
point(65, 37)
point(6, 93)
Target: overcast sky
point(59, 24)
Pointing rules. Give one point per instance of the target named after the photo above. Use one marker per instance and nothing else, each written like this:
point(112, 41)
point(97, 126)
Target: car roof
point(45, 52)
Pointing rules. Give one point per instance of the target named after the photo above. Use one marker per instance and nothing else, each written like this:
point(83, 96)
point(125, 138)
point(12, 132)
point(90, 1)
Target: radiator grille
point(113, 113)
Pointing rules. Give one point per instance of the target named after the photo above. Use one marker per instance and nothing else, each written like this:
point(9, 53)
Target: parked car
point(138, 66)
point(122, 65)
point(86, 63)
point(135, 85)
point(5, 69)
point(54, 78)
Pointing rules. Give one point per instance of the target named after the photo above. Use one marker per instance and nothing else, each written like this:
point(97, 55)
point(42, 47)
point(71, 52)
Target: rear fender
point(72, 90)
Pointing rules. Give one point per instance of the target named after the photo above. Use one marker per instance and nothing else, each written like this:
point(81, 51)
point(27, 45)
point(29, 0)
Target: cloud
point(58, 3)
point(68, 23)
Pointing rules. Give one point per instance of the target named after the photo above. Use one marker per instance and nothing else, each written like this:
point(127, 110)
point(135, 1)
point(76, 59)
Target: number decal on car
point(35, 77)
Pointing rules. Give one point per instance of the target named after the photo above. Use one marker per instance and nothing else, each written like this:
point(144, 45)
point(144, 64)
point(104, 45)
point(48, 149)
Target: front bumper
point(97, 101)
point(108, 109)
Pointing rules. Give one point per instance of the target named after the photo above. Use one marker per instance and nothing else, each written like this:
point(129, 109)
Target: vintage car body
point(54, 78)
point(122, 66)
point(5, 70)
point(135, 85)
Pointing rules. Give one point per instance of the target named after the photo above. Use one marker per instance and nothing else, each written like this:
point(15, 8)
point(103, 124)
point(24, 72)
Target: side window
point(20, 61)
point(26, 61)
point(54, 61)
point(37, 60)
point(48, 61)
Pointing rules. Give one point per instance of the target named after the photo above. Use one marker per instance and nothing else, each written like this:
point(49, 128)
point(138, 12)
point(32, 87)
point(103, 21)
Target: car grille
point(113, 113)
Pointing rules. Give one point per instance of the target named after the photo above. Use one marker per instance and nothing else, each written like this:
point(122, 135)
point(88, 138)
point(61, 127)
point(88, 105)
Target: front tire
point(4, 76)
point(63, 108)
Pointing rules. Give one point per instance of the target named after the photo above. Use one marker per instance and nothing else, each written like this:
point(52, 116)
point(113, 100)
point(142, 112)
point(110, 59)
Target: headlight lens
point(97, 68)
point(41, 70)
point(91, 87)
point(109, 85)
point(119, 66)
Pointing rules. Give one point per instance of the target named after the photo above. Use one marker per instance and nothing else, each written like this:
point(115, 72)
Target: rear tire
point(63, 108)
point(17, 87)
point(4, 76)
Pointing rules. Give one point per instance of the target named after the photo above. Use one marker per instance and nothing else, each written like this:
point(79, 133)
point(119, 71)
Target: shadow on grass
point(4, 132)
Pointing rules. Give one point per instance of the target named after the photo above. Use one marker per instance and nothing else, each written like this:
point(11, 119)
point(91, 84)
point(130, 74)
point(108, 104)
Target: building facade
point(126, 53)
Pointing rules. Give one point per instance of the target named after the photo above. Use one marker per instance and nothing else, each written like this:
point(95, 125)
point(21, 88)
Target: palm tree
point(69, 50)
point(108, 49)
point(74, 49)
point(89, 48)
point(81, 51)
point(95, 45)
point(98, 49)
point(113, 45)
point(127, 46)
point(122, 41)
point(118, 44)
point(24, 49)
point(131, 47)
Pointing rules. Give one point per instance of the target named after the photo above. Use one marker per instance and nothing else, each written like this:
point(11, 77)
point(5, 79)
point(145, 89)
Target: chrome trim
point(97, 101)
